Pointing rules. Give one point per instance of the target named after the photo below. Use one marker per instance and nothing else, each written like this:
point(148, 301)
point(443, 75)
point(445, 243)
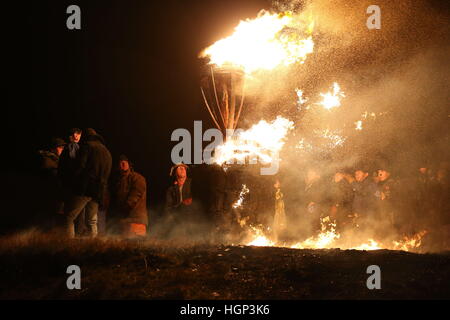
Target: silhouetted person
point(341, 198)
point(50, 189)
point(91, 182)
point(50, 158)
point(68, 166)
point(364, 201)
point(279, 219)
point(313, 200)
point(388, 199)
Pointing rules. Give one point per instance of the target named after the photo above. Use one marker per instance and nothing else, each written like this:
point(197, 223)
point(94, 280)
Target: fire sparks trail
point(266, 42)
point(332, 99)
point(264, 140)
point(333, 137)
point(242, 194)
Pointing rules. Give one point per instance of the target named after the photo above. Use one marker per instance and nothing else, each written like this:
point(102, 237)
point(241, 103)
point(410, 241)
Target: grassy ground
point(34, 267)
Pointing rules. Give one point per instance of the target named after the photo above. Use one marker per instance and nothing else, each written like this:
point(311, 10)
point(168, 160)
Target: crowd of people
point(374, 200)
point(82, 191)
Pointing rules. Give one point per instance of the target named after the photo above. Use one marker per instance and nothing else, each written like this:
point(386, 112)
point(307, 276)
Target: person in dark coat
point(181, 214)
point(312, 200)
point(388, 200)
point(69, 160)
point(179, 195)
point(50, 158)
point(68, 166)
point(341, 198)
point(91, 182)
point(129, 196)
point(50, 190)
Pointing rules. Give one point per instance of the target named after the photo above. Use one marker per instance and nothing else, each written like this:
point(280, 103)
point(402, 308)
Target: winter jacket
point(49, 162)
point(94, 169)
point(68, 165)
point(176, 200)
point(130, 198)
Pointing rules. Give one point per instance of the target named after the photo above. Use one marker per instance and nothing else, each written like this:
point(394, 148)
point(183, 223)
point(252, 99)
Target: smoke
point(396, 84)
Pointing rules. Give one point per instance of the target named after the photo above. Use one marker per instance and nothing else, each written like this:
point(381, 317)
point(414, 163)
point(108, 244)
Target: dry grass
point(34, 267)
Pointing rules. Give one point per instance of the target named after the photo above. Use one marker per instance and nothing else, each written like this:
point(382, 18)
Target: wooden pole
point(209, 109)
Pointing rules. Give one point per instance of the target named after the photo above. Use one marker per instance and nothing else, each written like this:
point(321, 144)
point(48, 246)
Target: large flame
point(259, 239)
point(324, 239)
point(262, 141)
point(269, 41)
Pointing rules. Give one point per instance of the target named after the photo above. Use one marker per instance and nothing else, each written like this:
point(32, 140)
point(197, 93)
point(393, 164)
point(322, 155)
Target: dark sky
point(131, 73)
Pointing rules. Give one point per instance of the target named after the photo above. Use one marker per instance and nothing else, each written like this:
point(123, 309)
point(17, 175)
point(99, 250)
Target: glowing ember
point(410, 243)
point(300, 100)
point(242, 194)
point(371, 245)
point(304, 145)
point(269, 41)
point(332, 99)
point(262, 141)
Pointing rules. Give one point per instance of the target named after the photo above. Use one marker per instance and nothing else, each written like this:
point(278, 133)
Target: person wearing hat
point(129, 200)
point(91, 177)
point(178, 195)
point(50, 158)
